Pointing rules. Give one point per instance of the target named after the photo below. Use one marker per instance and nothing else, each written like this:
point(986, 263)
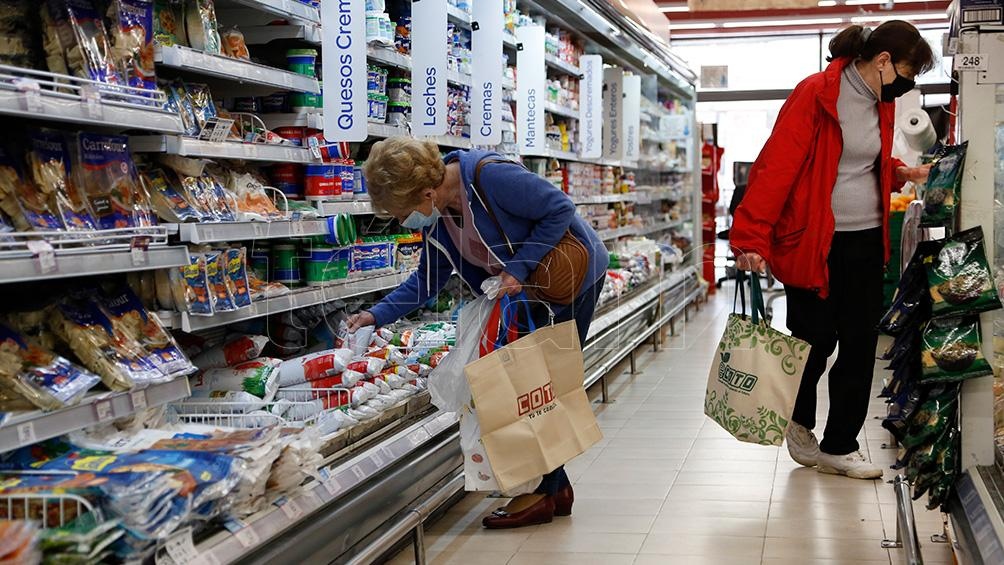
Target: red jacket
point(786, 214)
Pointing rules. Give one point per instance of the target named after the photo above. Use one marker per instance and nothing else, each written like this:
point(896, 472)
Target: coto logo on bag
point(536, 398)
point(733, 379)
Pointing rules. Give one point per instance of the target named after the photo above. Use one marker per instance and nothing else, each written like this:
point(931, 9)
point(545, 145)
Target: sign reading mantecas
point(428, 67)
point(531, 91)
point(486, 74)
point(345, 105)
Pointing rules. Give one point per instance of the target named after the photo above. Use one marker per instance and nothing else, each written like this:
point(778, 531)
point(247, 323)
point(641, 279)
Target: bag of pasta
point(131, 30)
point(29, 207)
point(110, 181)
point(128, 317)
point(43, 378)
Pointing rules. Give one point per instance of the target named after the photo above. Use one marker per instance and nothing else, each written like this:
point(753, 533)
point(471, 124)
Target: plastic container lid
point(301, 53)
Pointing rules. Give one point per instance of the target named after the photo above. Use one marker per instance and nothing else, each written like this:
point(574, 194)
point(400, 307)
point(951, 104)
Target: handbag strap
point(740, 295)
point(490, 336)
point(757, 310)
point(480, 193)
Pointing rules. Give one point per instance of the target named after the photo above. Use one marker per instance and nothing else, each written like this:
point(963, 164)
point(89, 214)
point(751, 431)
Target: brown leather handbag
point(559, 276)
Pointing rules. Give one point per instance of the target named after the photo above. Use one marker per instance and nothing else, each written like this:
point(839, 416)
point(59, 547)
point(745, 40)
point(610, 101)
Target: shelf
point(224, 67)
point(68, 108)
point(246, 231)
point(286, 8)
point(555, 154)
point(355, 207)
point(383, 131)
point(561, 110)
point(607, 235)
point(300, 298)
point(388, 56)
point(191, 147)
point(24, 428)
point(338, 480)
point(83, 262)
point(455, 77)
point(661, 226)
point(457, 16)
point(260, 35)
point(559, 65)
point(509, 41)
point(453, 141)
point(312, 120)
point(632, 302)
point(605, 198)
point(508, 84)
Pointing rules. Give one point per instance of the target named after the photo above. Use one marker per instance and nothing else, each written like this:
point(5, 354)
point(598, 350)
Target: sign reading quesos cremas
point(591, 106)
point(344, 66)
point(428, 67)
point(531, 91)
point(487, 72)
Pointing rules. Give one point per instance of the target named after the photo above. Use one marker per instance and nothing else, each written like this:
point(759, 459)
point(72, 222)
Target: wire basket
point(49, 510)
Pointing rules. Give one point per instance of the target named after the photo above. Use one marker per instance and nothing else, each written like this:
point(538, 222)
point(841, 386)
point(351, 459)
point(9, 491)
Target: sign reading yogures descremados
point(344, 69)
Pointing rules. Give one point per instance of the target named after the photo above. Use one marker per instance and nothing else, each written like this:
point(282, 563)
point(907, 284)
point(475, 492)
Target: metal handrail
point(906, 525)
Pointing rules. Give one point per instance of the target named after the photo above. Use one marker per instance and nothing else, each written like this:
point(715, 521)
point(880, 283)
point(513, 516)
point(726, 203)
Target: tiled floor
point(667, 486)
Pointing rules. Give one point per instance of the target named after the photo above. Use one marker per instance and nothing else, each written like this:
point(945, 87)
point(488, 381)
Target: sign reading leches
point(632, 118)
point(486, 75)
point(613, 113)
point(531, 91)
point(428, 67)
point(344, 35)
point(591, 106)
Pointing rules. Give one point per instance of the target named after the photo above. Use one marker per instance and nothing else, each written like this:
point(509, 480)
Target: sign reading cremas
point(531, 91)
point(344, 65)
point(486, 76)
point(428, 67)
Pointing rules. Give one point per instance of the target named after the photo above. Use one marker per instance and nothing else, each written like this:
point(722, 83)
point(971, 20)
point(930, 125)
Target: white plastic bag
point(447, 383)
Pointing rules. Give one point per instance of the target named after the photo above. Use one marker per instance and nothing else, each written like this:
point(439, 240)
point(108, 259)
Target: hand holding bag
point(756, 373)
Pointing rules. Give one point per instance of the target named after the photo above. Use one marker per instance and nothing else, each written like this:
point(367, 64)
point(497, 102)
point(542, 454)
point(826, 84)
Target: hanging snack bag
point(168, 202)
point(960, 278)
point(110, 180)
point(195, 282)
point(941, 194)
point(953, 350)
point(233, 351)
point(237, 276)
point(131, 28)
point(933, 416)
point(168, 22)
point(49, 164)
point(45, 379)
point(27, 204)
point(129, 317)
point(201, 26)
point(259, 377)
point(216, 273)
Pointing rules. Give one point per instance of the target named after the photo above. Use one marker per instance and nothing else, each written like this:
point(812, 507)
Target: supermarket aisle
point(667, 485)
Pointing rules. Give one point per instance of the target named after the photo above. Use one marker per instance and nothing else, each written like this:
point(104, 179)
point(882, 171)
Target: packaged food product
point(314, 366)
point(86, 539)
point(49, 164)
point(201, 101)
point(19, 542)
point(168, 22)
point(179, 103)
point(368, 366)
point(216, 275)
point(131, 28)
point(259, 377)
point(260, 289)
point(128, 317)
point(953, 350)
point(201, 26)
point(168, 202)
point(79, 38)
point(193, 287)
point(933, 416)
point(252, 199)
point(941, 193)
point(208, 401)
point(234, 45)
point(960, 278)
point(110, 180)
point(28, 205)
point(233, 351)
point(43, 378)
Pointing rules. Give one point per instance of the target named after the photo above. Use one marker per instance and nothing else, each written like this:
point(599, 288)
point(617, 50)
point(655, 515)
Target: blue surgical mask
point(417, 220)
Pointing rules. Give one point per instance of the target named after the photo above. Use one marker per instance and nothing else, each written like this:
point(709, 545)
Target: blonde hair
point(399, 169)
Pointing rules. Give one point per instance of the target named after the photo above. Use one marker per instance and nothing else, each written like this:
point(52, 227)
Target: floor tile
point(455, 558)
point(583, 542)
point(552, 558)
point(688, 544)
point(682, 523)
point(812, 548)
point(717, 508)
point(616, 508)
point(829, 529)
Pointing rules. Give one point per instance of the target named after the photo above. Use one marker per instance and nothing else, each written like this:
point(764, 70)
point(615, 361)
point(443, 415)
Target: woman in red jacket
point(816, 210)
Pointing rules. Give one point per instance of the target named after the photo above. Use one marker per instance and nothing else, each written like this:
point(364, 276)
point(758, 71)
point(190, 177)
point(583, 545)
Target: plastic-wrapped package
point(960, 278)
point(179, 103)
point(261, 290)
point(201, 26)
point(941, 193)
point(229, 401)
point(216, 273)
point(87, 539)
point(131, 28)
point(45, 379)
point(26, 204)
point(300, 458)
point(237, 276)
point(371, 366)
point(953, 350)
point(49, 164)
point(933, 417)
point(235, 350)
point(80, 39)
point(191, 285)
point(314, 366)
point(201, 101)
point(168, 22)
point(252, 200)
point(168, 202)
point(129, 318)
point(259, 377)
point(234, 45)
point(110, 181)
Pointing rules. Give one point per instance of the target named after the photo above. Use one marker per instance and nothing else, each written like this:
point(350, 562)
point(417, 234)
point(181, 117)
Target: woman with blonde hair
point(480, 217)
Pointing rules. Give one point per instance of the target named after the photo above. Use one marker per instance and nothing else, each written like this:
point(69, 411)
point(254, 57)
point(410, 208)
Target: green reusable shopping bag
point(755, 375)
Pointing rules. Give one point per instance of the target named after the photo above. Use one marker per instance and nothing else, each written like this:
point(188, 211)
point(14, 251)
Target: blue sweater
point(534, 215)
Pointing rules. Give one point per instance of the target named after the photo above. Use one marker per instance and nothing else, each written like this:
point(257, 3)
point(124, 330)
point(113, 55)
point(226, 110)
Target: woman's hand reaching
point(510, 285)
point(917, 175)
point(751, 262)
point(361, 320)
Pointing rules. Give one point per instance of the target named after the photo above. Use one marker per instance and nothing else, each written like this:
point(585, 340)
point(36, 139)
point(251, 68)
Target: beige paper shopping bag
point(533, 411)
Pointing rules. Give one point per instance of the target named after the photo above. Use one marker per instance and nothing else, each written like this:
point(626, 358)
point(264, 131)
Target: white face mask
point(417, 220)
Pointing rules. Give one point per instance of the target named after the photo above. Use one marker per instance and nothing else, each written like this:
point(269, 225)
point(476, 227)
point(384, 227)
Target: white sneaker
point(802, 445)
point(854, 465)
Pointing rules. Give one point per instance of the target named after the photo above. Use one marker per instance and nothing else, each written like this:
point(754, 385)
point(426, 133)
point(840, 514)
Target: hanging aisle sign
point(344, 36)
point(632, 118)
point(428, 67)
point(486, 76)
point(613, 113)
point(591, 106)
point(531, 91)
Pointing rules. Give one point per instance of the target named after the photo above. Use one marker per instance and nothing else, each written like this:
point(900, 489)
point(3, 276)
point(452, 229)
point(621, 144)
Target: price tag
point(291, 509)
point(358, 472)
point(45, 256)
point(180, 549)
point(377, 460)
point(297, 228)
point(387, 453)
point(26, 434)
point(417, 437)
point(247, 536)
point(138, 400)
point(972, 62)
point(332, 485)
point(91, 97)
point(31, 94)
point(315, 148)
point(139, 250)
point(103, 410)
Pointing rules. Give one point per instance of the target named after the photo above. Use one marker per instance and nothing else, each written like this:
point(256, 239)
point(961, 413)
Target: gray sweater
point(856, 200)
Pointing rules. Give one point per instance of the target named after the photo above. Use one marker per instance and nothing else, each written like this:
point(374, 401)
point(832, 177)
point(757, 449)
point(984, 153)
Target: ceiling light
point(783, 23)
point(705, 25)
point(827, 3)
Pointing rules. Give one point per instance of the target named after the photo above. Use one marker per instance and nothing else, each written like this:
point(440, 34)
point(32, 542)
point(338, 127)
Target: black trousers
point(846, 318)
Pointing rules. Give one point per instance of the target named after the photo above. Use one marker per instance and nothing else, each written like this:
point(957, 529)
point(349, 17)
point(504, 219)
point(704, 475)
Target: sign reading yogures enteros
point(720, 5)
point(344, 69)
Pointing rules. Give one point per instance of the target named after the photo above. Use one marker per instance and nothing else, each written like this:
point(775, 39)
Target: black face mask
point(898, 87)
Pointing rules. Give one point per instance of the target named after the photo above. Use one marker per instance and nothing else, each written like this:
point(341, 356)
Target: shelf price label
point(180, 550)
point(103, 410)
point(26, 434)
point(486, 76)
point(31, 94)
point(972, 62)
point(138, 400)
point(139, 250)
point(291, 509)
point(91, 98)
point(45, 256)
